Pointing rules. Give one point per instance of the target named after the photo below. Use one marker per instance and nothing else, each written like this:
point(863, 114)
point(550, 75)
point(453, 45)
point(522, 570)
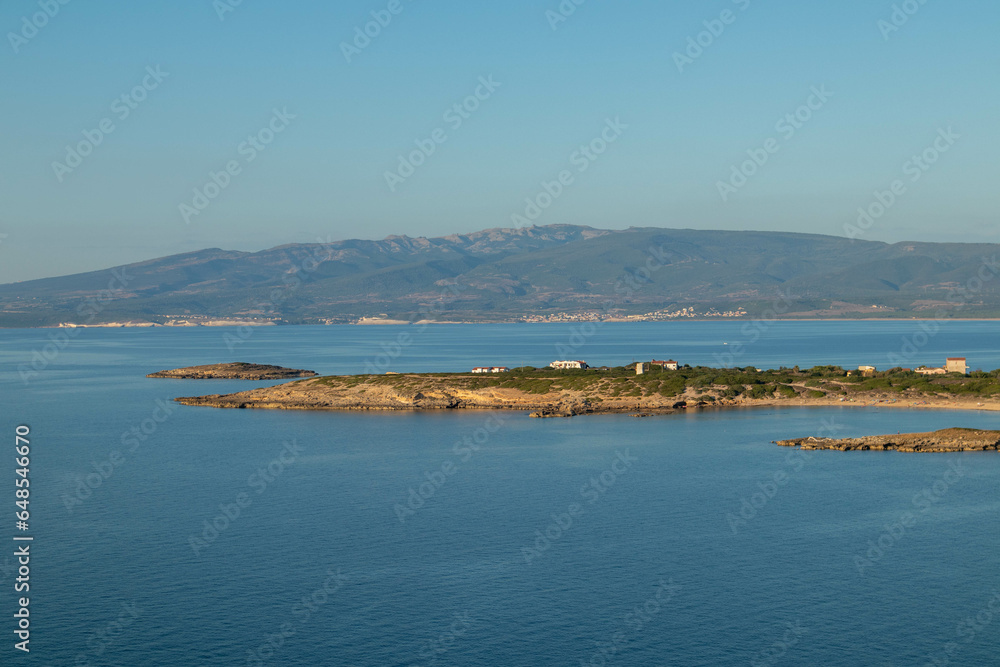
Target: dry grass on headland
point(550, 392)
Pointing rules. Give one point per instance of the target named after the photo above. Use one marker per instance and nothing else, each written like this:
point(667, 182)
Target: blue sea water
point(474, 538)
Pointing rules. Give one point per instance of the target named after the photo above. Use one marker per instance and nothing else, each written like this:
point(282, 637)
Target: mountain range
point(511, 274)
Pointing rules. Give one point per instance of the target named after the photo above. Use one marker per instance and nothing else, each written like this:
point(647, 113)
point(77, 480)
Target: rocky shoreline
point(419, 392)
point(233, 371)
point(542, 396)
point(947, 440)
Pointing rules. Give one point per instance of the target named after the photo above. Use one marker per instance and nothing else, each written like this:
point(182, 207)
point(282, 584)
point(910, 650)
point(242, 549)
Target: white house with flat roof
point(569, 364)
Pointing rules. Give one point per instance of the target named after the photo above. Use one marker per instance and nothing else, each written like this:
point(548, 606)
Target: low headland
point(547, 392)
point(233, 371)
point(947, 440)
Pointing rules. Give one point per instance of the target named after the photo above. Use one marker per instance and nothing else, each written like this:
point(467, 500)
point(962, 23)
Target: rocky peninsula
point(947, 440)
point(233, 371)
point(546, 392)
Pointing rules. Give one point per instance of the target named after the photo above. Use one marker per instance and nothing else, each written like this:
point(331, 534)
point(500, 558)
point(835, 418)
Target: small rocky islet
point(946, 440)
point(233, 371)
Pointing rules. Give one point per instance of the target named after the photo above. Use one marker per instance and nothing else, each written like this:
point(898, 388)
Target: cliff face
point(948, 440)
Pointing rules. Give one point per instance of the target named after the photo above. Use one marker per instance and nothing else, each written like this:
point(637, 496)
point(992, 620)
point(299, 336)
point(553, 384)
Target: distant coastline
point(377, 322)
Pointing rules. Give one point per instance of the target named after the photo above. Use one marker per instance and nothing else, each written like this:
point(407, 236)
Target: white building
point(568, 364)
point(499, 369)
point(481, 369)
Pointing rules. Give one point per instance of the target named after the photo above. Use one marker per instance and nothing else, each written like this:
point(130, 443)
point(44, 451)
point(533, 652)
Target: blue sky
point(323, 175)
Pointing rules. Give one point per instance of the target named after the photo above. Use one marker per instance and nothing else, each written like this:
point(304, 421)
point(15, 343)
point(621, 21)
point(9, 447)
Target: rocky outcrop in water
point(233, 371)
point(948, 440)
point(562, 410)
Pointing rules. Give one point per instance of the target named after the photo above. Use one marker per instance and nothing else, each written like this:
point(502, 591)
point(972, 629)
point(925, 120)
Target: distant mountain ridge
point(507, 274)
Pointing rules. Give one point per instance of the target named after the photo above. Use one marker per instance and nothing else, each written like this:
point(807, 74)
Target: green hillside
point(504, 274)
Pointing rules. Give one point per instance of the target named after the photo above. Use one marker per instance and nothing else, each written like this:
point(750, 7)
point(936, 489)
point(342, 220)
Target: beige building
point(956, 365)
point(866, 371)
point(951, 365)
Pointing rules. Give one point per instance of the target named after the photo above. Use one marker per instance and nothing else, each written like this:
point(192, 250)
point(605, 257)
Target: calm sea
point(195, 536)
